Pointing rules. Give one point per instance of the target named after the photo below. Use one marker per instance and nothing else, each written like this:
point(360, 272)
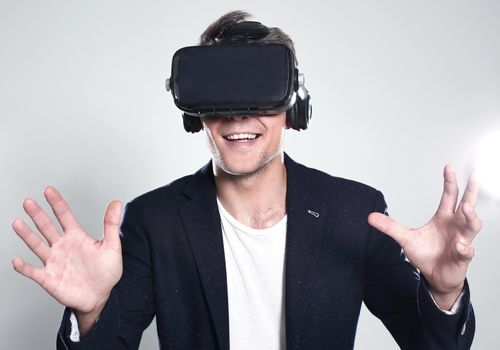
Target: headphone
point(299, 115)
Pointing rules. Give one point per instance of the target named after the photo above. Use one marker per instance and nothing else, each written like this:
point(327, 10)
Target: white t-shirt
point(255, 261)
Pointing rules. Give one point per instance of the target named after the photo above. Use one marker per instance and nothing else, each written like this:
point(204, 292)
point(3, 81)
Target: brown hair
point(215, 30)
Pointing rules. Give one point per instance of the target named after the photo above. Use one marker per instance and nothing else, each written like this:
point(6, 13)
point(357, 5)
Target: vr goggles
point(238, 79)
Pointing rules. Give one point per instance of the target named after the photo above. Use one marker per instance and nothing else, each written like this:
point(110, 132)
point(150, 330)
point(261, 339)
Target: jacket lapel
point(202, 224)
point(306, 213)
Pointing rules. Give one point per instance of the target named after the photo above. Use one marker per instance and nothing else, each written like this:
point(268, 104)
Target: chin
point(239, 168)
point(243, 166)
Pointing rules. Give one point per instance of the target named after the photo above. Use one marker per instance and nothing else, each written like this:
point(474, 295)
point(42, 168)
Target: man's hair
point(215, 30)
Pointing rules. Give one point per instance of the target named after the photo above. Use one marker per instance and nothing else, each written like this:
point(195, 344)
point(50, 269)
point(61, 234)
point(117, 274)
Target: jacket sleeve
point(397, 294)
point(130, 308)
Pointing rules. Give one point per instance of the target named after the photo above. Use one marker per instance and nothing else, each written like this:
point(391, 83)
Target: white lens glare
point(488, 163)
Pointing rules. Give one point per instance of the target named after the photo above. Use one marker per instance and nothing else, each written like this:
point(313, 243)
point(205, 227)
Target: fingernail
point(15, 222)
point(19, 262)
point(48, 190)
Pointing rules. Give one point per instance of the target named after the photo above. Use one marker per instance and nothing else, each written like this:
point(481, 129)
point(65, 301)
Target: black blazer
point(174, 269)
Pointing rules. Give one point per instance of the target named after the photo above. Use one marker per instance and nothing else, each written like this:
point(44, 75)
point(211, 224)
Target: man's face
point(242, 145)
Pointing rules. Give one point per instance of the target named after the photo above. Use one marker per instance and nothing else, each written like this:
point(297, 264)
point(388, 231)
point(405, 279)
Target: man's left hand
point(441, 249)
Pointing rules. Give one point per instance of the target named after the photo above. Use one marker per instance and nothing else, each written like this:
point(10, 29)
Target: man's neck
point(257, 200)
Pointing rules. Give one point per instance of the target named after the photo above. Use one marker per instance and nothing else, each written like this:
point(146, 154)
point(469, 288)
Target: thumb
point(388, 226)
point(112, 218)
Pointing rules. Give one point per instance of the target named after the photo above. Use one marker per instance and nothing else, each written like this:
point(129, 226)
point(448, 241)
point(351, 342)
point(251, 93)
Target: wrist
point(87, 319)
point(445, 299)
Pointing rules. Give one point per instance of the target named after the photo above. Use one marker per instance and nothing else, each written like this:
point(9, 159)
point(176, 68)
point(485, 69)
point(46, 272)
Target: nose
point(237, 118)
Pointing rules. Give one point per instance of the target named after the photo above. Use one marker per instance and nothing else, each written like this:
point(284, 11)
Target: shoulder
point(176, 192)
point(322, 183)
point(165, 192)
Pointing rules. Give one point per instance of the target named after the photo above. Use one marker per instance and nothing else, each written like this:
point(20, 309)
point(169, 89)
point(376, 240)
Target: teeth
point(241, 137)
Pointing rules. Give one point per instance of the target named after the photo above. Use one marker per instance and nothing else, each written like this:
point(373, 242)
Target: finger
point(389, 226)
point(41, 220)
point(466, 252)
point(112, 218)
point(472, 222)
point(33, 241)
point(471, 192)
point(449, 197)
point(27, 270)
point(61, 209)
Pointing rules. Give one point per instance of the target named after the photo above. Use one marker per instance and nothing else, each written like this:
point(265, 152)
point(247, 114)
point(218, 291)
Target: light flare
point(488, 163)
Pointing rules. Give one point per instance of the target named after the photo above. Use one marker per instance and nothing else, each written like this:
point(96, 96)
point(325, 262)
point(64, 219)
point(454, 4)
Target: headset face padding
point(297, 117)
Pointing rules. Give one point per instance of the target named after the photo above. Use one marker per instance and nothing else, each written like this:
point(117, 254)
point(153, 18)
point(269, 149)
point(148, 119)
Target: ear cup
point(304, 112)
point(291, 116)
point(191, 124)
point(299, 115)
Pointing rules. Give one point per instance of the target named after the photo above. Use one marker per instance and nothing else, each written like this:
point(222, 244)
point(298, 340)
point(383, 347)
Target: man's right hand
point(78, 271)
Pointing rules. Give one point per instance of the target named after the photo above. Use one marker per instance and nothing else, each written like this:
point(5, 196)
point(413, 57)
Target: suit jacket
point(174, 269)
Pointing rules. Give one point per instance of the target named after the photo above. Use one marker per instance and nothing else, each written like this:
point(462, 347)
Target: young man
point(255, 251)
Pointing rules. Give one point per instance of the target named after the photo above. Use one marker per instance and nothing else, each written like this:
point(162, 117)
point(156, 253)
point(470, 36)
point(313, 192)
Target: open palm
point(441, 249)
point(78, 271)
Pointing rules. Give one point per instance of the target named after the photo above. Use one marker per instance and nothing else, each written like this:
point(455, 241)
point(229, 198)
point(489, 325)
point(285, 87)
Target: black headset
point(299, 115)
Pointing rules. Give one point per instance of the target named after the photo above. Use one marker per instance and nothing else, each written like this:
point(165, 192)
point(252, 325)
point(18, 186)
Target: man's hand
point(441, 249)
point(78, 271)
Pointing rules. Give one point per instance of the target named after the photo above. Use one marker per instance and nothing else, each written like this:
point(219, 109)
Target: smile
point(242, 137)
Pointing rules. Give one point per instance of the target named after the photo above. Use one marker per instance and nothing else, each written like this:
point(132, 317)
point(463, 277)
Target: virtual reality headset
point(238, 79)
point(233, 79)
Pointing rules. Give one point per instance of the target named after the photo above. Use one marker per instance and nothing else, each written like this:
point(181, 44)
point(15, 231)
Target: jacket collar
point(306, 212)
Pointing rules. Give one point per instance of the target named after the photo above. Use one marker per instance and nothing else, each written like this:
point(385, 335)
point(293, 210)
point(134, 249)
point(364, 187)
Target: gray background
point(400, 88)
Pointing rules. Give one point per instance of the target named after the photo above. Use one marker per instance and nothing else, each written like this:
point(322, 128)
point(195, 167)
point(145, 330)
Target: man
point(255, 251)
